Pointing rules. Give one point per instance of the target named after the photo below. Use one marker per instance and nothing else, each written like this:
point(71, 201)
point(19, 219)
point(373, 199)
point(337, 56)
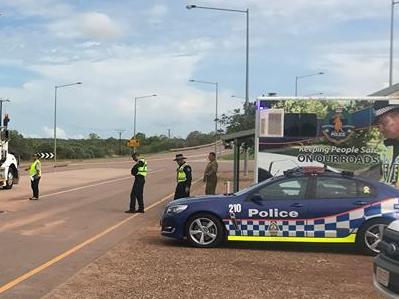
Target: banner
point(358, 135)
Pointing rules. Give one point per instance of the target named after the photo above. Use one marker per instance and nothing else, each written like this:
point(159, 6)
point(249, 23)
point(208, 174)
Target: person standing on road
point(139, 171)
point(387, 120)
point(210, 175)
point(184, 177)
point(35, 173)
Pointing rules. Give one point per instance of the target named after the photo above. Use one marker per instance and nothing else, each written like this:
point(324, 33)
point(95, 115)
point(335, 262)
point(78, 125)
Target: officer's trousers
point(181, 191)
point(137, 193)
point(211, 182)
point(35, 186)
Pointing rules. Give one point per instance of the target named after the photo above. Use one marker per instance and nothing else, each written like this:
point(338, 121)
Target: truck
point(8, 162)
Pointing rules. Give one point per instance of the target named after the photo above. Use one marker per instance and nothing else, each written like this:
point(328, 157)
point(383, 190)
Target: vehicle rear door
point(337, 206)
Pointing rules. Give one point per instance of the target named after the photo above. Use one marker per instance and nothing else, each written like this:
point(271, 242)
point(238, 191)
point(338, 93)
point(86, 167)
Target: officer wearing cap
point(139, 171)
point(183, 177)
point(387, 121)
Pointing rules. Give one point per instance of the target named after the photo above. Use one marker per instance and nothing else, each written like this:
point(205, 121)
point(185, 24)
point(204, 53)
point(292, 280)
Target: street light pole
point(135, 113)
point(393, 3)
point(216, 106)
point(247, 41)
point(247, 62)
point(55, 116)
point(1, 109)
point(304, 76)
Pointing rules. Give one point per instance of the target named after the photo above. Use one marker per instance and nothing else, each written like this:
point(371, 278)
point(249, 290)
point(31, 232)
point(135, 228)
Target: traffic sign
point(133, 143)
point(45, 155)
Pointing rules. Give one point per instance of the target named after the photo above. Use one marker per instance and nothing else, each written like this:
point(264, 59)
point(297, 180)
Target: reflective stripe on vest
point(181, 175)
point(143, 169)
point(33, 171)
point(390, 166)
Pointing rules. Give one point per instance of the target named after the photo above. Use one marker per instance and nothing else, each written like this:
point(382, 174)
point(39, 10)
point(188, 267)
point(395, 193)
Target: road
point(78, 218)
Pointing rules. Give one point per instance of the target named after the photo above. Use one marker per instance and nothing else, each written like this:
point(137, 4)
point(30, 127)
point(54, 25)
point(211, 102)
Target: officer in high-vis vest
point(387, 121)
point(35, 173)
point(183, 177)
point(139, 171)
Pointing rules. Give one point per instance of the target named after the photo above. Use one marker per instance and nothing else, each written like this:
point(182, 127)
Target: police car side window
point(330, 187)
point(287, 189)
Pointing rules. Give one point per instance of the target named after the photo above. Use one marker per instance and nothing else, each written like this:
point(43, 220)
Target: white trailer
point(8, 162)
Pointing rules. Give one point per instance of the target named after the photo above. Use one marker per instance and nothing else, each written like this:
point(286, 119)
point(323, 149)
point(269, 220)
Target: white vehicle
point(270, 164)
point(8, 163)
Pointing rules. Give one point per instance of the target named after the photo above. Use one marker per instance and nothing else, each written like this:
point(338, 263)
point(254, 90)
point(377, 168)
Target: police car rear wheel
point(371, 235)
point(204, 230)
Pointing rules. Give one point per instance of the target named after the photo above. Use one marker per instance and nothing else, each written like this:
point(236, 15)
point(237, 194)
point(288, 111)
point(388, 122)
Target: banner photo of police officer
point(359, 136)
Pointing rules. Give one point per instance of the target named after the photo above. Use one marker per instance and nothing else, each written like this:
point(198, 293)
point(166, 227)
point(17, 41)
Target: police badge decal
point(338, 126)
point(273, 228)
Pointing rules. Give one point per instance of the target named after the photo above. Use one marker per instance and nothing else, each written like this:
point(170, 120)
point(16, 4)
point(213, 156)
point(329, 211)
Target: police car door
point(337, 207)
point(276, 211)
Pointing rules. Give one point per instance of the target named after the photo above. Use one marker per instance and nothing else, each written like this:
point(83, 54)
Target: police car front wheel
point(370, 235)
point(204, 230)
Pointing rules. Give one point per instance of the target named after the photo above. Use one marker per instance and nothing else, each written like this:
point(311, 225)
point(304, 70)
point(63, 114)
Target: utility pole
point(168, 133)
point(120, 132)
point(1, 109)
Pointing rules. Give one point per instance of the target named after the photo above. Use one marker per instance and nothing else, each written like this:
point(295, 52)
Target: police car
point(305, 204)
point(386, 265)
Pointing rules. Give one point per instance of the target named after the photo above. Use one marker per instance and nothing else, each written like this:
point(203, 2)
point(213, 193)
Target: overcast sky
point(121, 49)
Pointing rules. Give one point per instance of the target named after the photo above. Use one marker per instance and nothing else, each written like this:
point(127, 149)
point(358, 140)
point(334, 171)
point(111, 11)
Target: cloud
point(91, 25)
point(352, 68)
point(49, 133)
point(105, 99)
point(157, 13)
point(44, 8)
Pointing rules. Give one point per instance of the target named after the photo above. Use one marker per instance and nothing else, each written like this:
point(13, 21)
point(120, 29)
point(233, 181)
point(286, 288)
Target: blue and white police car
point(305, 204)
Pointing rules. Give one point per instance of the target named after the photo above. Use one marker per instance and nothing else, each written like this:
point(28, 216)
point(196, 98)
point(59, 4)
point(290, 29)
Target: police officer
point(35, 173)
point(184, 177)
point(387, 120)
point(139, 171)
point(210, 174)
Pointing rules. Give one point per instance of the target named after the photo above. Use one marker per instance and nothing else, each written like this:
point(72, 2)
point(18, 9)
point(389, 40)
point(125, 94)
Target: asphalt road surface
point(78, 218)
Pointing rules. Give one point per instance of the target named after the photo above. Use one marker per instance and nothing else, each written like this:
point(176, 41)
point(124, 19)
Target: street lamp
point(247, 41)
point(1, 109)
point(216, 106)
point(304, 76)
point(135, 114)
point(55, 116)
point(393, 3)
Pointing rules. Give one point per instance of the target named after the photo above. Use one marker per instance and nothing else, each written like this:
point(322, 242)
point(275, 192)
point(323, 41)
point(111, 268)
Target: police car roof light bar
point(312, 170)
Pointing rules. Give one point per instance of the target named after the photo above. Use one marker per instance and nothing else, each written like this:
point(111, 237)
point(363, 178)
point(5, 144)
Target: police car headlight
point(176, 209)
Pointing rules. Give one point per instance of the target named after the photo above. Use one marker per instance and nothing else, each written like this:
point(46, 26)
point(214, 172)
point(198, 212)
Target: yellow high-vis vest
point(33, 171)
point(143, 169)
point(181, 175)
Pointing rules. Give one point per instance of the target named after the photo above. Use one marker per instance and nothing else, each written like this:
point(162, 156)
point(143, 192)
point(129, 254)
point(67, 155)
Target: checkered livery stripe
point(335, 226)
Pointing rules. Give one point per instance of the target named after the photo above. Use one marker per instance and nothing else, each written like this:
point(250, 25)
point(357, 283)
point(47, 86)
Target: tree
point(94, 136)
point(239, 121)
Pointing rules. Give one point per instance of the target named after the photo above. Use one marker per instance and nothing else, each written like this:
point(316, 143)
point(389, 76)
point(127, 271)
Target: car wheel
point(204, 230)
point(370, 235)
point(10, 179)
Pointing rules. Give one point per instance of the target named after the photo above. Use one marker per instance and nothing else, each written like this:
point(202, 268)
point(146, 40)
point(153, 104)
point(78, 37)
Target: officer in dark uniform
point(183, 177)
point(139, 171)
point(387, 120)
